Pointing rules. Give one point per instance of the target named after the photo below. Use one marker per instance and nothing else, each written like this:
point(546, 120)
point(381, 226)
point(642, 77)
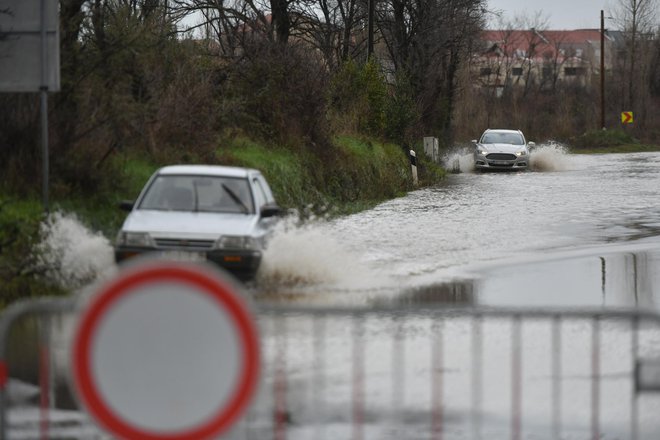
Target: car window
point(502, 138)
point(262, 191)
point(198, 193)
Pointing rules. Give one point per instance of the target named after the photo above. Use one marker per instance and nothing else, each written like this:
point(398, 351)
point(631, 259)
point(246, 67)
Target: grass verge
point(624, 148)
point(609, 141)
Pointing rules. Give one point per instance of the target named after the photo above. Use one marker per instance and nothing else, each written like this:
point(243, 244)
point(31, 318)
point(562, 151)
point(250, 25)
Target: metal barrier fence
point(408, 373)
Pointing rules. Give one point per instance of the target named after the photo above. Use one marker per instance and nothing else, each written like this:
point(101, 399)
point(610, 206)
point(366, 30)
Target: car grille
point(189, 244)
point(501, 156)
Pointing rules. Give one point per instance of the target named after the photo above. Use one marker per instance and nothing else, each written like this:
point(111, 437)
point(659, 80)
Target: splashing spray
point(306, 257)
point(549, 156)
point(72, 255)
point(459, 160)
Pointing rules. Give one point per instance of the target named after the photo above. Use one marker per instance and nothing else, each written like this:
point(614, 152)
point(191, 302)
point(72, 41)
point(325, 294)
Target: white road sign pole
point(43, 90)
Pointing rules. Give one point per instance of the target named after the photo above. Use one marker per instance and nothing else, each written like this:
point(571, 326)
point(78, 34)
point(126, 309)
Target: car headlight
point(134, 239)
point(521, 153)
point(236, 242)
point(482, 152)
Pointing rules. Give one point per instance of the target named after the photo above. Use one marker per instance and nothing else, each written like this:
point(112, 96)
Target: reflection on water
point(460, 292)
point(622, 277)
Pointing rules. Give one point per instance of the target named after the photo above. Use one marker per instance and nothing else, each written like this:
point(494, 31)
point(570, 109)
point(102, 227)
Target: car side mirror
point(270, 210)
point(531, 144)
point(474, 141)
point(126, 205)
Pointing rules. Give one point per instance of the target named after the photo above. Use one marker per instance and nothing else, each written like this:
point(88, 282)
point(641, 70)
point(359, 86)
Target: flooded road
point(578, 230)
point(576, 233)
point(575, 230)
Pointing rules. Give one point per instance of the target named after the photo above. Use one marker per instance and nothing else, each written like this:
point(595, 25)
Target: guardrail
point(414, 372)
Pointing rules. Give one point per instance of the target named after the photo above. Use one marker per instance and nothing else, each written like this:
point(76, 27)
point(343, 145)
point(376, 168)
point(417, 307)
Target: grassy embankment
point(609, 141)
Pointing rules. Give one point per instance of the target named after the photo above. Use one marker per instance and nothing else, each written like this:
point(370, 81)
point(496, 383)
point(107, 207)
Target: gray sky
point(561, 14)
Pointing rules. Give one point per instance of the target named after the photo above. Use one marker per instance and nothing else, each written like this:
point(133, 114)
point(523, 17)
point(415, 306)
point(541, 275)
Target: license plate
point(232, 259)
point(184, 256)
point(499, 162)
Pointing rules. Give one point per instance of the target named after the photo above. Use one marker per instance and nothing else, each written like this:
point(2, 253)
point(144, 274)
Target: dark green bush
point(276, 93)
point(358, 99)
point(20, 275)
point(401, 112)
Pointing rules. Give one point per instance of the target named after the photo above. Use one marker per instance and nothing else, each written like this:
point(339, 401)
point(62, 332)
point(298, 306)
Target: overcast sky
point(561, 14)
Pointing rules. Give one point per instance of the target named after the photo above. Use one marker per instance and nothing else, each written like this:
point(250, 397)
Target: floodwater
point(575, 233)
point(576, 230)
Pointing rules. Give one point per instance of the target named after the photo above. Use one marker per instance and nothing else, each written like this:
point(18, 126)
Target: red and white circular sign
point(166, 351)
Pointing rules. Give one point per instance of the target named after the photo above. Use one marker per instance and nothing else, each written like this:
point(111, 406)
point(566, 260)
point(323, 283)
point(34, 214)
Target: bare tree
point(637, 18)
point(336, 29)
point(535, 24)
point(428, 41)
point(508, 36)
point(556, 58)
point(654, 80)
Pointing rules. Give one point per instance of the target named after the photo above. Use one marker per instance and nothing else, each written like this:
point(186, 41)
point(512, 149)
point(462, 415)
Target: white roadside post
point(413, 165)
point(432, 149)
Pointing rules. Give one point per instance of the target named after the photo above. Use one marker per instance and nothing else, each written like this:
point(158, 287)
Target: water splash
point(302, 256)
point(459, 160)
point(550, 156)
point(72, 255)
point(307, 257)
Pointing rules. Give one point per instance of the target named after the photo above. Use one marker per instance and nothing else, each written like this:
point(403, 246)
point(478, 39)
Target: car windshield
point(199, 193)
point(495, 137)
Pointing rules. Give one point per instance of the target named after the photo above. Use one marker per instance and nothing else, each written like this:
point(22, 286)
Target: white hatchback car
point(201, 212)
point(500, 149)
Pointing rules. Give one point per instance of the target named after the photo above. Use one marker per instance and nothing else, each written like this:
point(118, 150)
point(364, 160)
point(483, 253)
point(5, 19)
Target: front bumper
point(484, 163)
point(243, 264)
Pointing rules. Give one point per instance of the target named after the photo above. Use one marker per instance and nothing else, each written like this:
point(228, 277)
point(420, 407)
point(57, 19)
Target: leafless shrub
point(278, 93)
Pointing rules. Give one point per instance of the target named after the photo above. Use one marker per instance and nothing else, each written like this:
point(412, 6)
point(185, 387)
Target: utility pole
point(602, 69)
point(43, 94)
point(370, 44)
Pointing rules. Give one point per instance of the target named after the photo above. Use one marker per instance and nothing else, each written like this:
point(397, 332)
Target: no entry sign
point(166, 351)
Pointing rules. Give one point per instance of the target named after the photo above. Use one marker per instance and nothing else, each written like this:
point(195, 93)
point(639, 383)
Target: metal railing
point(421, 373)
point(460, 373)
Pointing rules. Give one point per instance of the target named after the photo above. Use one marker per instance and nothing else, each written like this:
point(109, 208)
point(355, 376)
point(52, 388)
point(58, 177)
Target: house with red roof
point(542, 59)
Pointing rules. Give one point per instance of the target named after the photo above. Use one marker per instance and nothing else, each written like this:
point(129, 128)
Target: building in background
point(541, 59)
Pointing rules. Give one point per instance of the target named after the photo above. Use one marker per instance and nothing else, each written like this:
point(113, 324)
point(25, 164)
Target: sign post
point(30, 59)
point(166, 351)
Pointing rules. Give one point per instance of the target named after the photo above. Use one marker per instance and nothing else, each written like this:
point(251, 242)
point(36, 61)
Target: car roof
point(503, 130)
point(207, 170)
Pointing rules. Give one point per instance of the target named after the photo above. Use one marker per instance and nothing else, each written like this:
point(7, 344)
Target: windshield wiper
point(195, 197)
point(236, 199)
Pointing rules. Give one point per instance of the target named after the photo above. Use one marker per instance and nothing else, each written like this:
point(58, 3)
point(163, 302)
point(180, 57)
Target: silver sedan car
point(500, 149)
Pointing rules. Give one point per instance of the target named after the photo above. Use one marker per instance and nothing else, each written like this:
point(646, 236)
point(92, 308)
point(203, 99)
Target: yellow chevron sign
point(626, 117)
